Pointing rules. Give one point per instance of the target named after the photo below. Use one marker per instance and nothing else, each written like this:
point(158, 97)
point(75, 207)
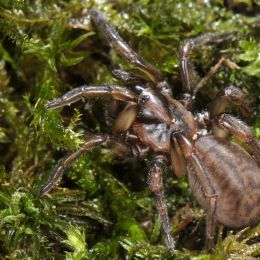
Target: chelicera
point(223, 177)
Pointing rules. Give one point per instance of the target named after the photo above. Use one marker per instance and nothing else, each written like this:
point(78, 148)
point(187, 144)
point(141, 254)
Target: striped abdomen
point(235, 176)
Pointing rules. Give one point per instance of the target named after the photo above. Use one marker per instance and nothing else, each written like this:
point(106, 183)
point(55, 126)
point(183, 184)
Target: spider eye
point(144, 99)
point(139, 89)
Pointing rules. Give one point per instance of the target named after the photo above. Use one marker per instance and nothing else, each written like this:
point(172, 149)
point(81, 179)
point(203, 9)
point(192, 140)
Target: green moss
point(102, 208)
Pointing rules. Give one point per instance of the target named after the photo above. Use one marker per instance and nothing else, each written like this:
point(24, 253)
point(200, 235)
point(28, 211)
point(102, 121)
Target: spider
point(223, 177)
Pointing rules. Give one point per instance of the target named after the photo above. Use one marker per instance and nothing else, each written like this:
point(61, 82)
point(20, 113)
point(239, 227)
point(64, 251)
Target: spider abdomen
point(235, 177)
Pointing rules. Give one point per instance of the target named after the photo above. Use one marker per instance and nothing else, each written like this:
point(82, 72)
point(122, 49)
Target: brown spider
point(223, 177)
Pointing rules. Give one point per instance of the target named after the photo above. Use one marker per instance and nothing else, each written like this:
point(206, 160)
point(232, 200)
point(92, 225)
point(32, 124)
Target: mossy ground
point(102, 208)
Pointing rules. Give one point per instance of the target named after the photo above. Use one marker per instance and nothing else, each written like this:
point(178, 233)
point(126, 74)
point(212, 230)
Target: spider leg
point(240, 130)
point(186, 67)
point(196, 169)
point(213, 70)
point(122, 48)
point(156, 186)
point(92, 142)
point(128, 78)
point(229, 95)
point(114, 91)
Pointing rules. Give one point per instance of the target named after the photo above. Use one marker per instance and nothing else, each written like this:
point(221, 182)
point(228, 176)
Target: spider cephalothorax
point(223, 177)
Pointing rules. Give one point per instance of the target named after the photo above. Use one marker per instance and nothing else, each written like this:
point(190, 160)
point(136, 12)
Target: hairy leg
point(199, 173)
point(213, 70)
point(229, 95)
point(122, 48)
point(185, 52)
point(241, 131)
point(114, 91)
point(156, 186)
point(90, 143)
point(128, 78)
